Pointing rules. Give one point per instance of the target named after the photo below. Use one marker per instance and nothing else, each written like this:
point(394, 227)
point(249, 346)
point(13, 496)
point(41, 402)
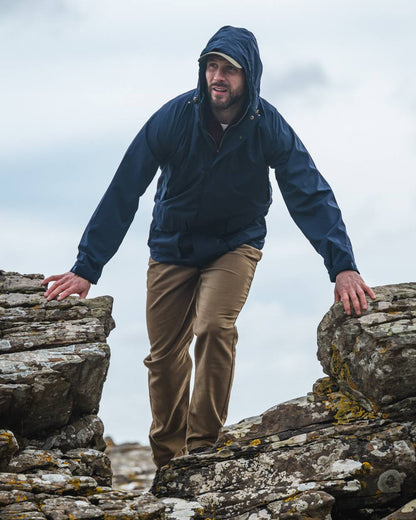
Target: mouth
point(219, 89)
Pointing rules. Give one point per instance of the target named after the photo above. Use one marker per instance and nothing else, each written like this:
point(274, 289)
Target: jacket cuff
point(86, 272)
point(335, 270)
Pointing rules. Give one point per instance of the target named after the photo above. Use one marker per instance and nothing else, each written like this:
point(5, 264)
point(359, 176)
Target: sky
point(79, 79)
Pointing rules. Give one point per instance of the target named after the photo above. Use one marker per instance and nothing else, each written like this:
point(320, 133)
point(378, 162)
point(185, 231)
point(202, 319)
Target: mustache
point(216, 84)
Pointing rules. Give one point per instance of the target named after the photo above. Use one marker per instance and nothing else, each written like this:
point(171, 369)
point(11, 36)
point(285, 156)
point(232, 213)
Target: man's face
point(225, 83)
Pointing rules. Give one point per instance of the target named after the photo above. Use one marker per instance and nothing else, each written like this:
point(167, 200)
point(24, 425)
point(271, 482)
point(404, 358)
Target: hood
point(241, 45)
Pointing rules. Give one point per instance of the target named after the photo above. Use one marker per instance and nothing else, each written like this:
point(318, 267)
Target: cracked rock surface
point(346, 451)
point(53, 363)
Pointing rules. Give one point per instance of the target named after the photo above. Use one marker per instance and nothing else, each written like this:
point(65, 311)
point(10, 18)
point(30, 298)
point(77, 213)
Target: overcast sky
point(80, 78)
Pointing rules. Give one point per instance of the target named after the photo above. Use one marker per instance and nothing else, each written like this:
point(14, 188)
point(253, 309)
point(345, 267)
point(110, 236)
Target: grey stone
point(30, 321)
point(406, 512)
point(55, 483)
point(346, 451)
point(31, 459)
point(11, 282)
point(45, 389)
point(85, 432)
point(79, 462)
point(92, 463)
point(365, 354)
point(368, 459)
point(21, 511)
point(64, 508)
point(54, 358)
point(309, 505)
point(8, 447)
point(133, 468)
point(15, 496)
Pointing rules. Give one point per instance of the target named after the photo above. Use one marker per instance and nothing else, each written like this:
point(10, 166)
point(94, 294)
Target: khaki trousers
point(183, 302)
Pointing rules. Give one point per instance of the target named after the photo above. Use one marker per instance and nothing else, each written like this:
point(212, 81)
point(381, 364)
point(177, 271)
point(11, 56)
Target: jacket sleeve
point(115, 212)
point(309, 198)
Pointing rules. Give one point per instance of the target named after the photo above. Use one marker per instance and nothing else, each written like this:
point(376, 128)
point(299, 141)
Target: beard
point(232, 98)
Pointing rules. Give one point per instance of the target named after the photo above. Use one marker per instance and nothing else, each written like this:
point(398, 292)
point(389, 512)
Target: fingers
point(362, 299)
point(84, 294)
point(65, 285)
point(52, 278)
point(68, 290)
point(351, 290)
point(56, 289)
point(358, 301)
point(346, 303)
point(370, 291)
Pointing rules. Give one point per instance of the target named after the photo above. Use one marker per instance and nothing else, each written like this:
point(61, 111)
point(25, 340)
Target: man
point(214, 146)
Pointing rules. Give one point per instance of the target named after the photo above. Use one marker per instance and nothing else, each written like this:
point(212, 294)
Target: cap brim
point(223, 55)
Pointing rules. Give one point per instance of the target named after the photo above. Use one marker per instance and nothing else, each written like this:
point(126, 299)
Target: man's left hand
point(350, 288)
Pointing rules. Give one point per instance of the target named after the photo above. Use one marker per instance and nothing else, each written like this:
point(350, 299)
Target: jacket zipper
point(226, 130)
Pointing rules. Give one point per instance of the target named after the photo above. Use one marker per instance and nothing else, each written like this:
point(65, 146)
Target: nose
point(219, 76)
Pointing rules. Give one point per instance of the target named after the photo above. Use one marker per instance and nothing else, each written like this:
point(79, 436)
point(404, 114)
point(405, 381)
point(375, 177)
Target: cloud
point(40, 8)
point(297, 80)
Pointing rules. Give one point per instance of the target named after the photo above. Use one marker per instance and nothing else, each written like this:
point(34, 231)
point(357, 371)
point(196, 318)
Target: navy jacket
point(210, 200)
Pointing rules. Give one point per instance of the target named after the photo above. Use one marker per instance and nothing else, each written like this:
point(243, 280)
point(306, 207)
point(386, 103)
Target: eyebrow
point(226, 63)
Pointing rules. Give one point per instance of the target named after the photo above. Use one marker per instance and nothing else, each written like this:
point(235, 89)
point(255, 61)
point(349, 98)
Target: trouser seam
point(230, 380)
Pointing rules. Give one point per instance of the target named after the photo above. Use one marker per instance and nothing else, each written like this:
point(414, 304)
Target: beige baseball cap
point(225, 56)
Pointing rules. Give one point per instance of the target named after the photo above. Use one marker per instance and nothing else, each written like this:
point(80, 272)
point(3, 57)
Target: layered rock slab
point(344, 452)
point(53, 355)
point(53, 363)
point(373, 357)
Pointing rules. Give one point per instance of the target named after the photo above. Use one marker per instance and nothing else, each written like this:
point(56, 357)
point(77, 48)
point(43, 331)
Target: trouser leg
point(169, 313)
point(222, 291)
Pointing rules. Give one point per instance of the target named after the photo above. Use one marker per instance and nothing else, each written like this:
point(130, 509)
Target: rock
point(344, 452)
point(372, 459)
point(79, 462)
point(47, 388)
point(85, 432)
point(29, 460)
point(365, 354)
point(15, 496)
point(21, 511)
point(54, 358)
point(8, 447)
point(30, 321)
point(91, 462)
point(53, 363)
point(317, 505)
point(56, 483)
point(63, 508)
point(18, 283)
point(133, 468)
point(177, 509)
point(123, 505)
point(407, 512)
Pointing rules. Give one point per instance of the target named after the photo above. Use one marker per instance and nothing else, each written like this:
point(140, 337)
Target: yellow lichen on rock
point(344, 408)
point(340, 367)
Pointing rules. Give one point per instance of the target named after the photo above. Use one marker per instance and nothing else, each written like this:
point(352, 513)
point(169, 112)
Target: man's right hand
point(66, 284)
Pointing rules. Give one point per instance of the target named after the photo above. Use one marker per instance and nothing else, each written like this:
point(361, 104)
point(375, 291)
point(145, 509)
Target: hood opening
point(241, 45)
